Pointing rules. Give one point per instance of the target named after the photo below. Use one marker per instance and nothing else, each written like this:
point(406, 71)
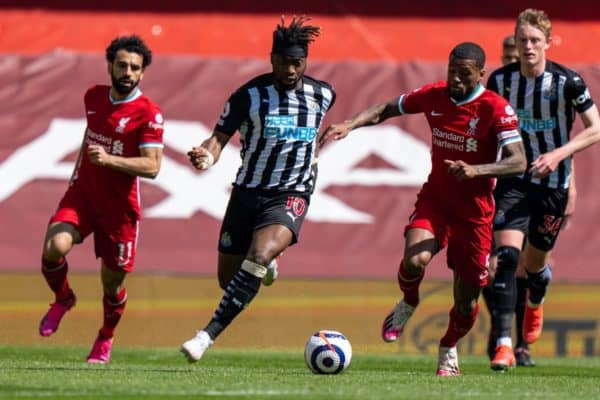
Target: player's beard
point(118, 85)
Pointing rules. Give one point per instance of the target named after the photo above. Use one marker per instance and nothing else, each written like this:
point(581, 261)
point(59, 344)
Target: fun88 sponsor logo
point(285, 127)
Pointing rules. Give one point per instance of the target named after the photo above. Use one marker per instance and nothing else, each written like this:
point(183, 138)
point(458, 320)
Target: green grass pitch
point(162, 373)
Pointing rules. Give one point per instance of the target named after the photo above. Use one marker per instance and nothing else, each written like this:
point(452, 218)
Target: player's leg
point(510, 223)
point(68, 226)
point(545, 223)
point(462, 318)
point(115, 243)
point(468, 255)
point(242, 288)
point(114, 300)
point(522, 352)
point(236, 233)
point(229, 265)
point(488, 298)
point(420, 247)
point(539, 275)
point(277, 226)
point(58, 241)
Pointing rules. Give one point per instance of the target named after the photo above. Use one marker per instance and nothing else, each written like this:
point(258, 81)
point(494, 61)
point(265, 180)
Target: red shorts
point(115, 233)
point(468, 243)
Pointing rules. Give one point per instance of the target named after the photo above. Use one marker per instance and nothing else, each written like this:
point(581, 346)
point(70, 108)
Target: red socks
point(458, 326)
point(113, 310)
point(409, 285)
point(55, 274)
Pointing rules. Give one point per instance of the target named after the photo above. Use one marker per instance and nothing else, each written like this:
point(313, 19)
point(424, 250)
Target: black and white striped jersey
point(278, 131)
point(546, 107)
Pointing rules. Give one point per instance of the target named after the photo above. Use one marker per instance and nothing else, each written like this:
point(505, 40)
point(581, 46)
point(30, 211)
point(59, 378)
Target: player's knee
point(261, 256)
point(508, 258)
point(467, 308)
point(415, 265)
point(57, 246)
point(541, 278)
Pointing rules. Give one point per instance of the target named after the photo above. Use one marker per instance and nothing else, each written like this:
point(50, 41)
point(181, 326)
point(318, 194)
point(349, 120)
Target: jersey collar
point(136, 93)
point(478, 91)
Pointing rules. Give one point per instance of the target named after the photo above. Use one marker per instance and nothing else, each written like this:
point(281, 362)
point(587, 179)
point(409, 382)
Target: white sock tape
point(255, 269)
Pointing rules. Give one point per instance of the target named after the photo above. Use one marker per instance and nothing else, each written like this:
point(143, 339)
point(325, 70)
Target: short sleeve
point(506, 123)
point(578, 93)
point(234, 112)
point(151, 134)
point(412, 102)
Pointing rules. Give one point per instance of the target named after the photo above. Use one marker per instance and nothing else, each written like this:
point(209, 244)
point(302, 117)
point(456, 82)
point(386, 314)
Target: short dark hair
point(132, 44)
point(469, 51)
point(509, 42)
point(293, 40)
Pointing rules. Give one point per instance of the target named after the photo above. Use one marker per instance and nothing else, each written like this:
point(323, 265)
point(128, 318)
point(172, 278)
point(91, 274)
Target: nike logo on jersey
point(435, 114)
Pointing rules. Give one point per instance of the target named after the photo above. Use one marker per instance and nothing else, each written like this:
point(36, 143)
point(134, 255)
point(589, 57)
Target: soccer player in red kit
point(474, 140)
point(122, 141)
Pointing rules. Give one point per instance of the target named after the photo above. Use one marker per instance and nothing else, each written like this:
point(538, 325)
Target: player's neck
point(116, 96)
point(535, 70)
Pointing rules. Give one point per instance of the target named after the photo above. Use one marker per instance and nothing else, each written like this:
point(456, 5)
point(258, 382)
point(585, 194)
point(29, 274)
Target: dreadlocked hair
point(295, 34)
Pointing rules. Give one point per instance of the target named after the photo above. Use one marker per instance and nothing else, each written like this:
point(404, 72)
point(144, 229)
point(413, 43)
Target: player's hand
point(460, 169)
point(98, 155)
point(201, 158)
point(337, 132)
point(544, 165)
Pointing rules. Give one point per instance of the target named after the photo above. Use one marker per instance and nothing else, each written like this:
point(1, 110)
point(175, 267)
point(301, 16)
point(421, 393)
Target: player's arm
point(370, 116)
point(147, 164)
point(512, 162)
point(548, 162)
point(572, 199)
point(209, 151)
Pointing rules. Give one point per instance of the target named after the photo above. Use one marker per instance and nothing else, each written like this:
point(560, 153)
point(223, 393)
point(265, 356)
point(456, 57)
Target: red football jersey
point(472, 130)
point(122, 127)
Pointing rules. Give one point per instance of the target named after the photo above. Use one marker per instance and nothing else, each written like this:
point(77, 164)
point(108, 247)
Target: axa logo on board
point(409, 158)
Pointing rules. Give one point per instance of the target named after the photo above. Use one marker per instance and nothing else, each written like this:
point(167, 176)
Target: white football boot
point(194, 348)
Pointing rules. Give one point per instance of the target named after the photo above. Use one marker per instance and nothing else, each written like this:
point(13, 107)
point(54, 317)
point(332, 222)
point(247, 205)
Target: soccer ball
point(327, 352)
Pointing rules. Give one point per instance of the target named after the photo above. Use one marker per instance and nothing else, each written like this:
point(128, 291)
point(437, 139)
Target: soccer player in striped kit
point(470, 128)
point(278, 115)
point(546, 96)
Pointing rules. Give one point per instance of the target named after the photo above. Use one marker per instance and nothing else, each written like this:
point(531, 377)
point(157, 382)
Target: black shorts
point(252, 209)
point(535, 210)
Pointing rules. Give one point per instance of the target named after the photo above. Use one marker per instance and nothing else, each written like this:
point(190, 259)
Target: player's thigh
point(511, 218)
point(239, 222)
point(115, 242)
point(425, 234)
point(547, 216)
point(268, 242)
point(228, 266)
point(278, 223)
point(69, 224)
point(468, 254)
